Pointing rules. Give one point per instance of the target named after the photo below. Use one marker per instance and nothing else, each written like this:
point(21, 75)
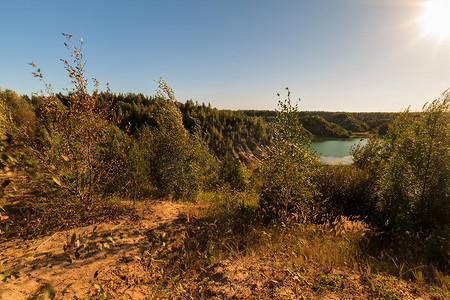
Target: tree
point(177, 163)
point(287, 171)
point(6, 124)
point(17, 124)
point(76, 135)
point(235, 174)
point(414, 185)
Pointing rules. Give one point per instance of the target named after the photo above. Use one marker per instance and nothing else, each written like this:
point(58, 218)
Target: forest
point(85, 155)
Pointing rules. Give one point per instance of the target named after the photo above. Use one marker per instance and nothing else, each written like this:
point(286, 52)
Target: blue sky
point(336, 55)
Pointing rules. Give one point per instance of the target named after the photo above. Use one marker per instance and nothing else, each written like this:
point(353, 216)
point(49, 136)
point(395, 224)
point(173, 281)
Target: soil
point(138, 259)
point(43, 260)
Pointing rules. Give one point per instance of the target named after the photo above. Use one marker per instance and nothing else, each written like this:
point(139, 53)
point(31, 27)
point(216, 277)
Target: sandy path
point(43, 260)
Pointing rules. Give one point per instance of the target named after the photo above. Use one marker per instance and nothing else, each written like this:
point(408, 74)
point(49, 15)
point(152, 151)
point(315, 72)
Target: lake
point(335, 151)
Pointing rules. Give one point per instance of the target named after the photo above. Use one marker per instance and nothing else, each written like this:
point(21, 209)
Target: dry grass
point(229, 250)
point(33, 217)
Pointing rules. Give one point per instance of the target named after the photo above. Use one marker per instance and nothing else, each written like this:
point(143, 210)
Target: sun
point(435, 18)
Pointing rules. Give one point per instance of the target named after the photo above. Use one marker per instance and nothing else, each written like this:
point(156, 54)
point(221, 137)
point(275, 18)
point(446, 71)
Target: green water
point(336, 151)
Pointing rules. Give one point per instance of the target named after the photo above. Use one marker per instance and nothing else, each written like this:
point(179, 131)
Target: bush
point(288, 170)
point(22, 114)
point(414, 184)
point(235, 174)
point(345, 190)
point(75, 142)
point(17, 122)
point(177, 164)
point(411, 167)
point(6, 129)
point(370, 157)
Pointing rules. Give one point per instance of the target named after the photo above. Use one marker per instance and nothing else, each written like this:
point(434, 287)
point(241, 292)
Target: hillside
point(143, 257)
point(135, 197)
point(319, 127)
point(243, 134)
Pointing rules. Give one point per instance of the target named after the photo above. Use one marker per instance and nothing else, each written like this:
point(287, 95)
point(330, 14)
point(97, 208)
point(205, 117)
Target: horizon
point(337, 56)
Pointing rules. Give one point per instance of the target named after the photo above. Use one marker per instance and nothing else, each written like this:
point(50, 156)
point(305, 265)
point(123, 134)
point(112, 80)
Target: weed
point(440, 293)
point(101, 293)
point(384, 289)
point(83, 243)
point(328, 282)
point(44, 292)
point(9, 274)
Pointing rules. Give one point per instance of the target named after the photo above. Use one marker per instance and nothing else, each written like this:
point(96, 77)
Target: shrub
point(16, 123)
point(6, 128)
point(75, 140)
point(235, 174)
point(22, 114)
point(5, 125)
point(370, 157)
point(178, 164)
point(287, 171)
point(345, 190)
point(414, 185)
point(411, 167)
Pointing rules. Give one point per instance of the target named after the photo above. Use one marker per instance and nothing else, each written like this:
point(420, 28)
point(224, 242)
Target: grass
point(225, 244)
point(33, 217)
point(210, 245)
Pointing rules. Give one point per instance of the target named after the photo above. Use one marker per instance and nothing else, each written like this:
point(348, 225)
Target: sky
point(336, 55)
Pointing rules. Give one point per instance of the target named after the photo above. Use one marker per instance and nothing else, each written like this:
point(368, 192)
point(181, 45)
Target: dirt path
point(43, 261)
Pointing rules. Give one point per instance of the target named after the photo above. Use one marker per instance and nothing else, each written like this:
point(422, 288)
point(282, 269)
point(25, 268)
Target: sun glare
point(436, 18)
